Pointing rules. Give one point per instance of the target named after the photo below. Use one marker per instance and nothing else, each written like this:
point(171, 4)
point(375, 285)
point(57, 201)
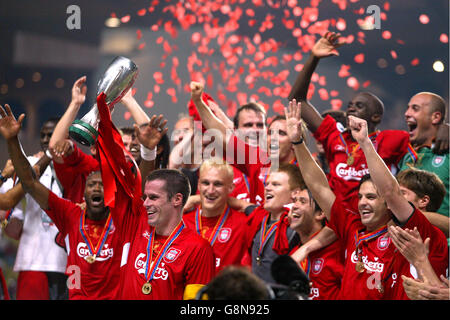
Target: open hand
point(151, 133)
point(327, 45)
point(79, 90)
point(293, 120)
point(9, 126)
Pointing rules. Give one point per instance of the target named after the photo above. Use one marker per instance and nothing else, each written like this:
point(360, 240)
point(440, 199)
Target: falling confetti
point(261, 64)
point(424, 19)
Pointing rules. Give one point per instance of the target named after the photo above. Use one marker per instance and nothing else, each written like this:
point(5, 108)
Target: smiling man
point(372, 266)
point(224, 228)
point(270, 235)
point(324, 267)
point(424, 115)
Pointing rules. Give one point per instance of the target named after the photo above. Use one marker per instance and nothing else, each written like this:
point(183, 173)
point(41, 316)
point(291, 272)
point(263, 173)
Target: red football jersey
point(94, 281)
point(253, 163)
point(376, 252)
point(438, 253)
point(241, 188)
point(227, 234)
point(325, 268)
point(344, 176)
point(73, 173)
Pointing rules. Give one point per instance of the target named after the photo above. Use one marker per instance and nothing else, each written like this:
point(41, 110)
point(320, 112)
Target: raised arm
point(325, 47)
point(386, 184)
point(209, 120)
point(12, 197)
point(136, 111)
point(61, 131)
point(9, 128)
point(314, 177)
point(149, 134)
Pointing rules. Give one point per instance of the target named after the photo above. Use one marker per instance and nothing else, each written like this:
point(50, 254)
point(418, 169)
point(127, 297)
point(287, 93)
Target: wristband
point(147, 154)
point(48, 154)
point(298, 142)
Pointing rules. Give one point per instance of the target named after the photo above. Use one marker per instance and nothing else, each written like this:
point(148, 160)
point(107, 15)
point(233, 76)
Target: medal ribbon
point(359, 239)
point(266, 235)
point(356, 147)
point(412, 152)
point(175, 233)
point(306, 263)
point(247, 184)
point(94, 250)
point(219, 224)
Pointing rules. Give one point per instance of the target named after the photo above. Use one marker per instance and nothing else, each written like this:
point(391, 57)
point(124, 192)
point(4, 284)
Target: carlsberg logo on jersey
point(105, 254)
point(350, 173)
point(140, 265)
point(373, 266)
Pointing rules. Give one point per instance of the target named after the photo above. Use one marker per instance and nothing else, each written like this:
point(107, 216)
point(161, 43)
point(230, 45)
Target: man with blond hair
point(223, 227)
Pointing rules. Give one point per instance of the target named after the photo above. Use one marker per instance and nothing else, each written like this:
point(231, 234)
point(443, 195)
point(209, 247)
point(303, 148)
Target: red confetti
point(359, 58)
point(353, 83)
point(334, 93)
point(386, 35)
point(424, 19)
point(341, 24)
point(394, 54)
point(336, 104)
point(323, 94)
point(127, 115)
point(343, 72)
point(142, 12)
point(415, 62)
point(158, 76)
point(196, 36)
point(342, 4)
point(139, 34)
point(366, 84)
point(278, 107)
point(125, 19)
point(149, 103)
point(297, 11)
point(443, 38)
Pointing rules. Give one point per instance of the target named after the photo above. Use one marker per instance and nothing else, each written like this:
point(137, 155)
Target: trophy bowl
point(118, 78)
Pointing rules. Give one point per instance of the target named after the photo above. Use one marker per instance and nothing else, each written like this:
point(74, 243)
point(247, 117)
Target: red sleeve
point(438, 254)
point(62, 212)
point(245, 157)
point(343, 221)
point(73, 173)
point(326, 131)
point(394, 145)
point(201, 268)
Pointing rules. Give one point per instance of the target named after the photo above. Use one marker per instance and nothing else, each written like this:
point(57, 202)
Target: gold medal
point(258, 260)
point(4, 223)
point(380, 288)
point(360, 266)
point(350, 160)
point(147, 288)
point(90, 259)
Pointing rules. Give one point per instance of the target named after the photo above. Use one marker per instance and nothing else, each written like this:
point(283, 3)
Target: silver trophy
point(118, 78)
